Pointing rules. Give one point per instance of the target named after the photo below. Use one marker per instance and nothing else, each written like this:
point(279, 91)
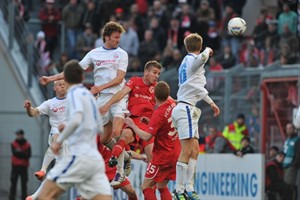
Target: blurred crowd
point(155, 30)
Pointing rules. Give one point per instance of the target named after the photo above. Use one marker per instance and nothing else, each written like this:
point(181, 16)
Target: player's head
point(112, 34)
point(152, 71)
point(162, 91)
point(290, 129)
point(60, 88)
point(193, 42)
point(73, 72)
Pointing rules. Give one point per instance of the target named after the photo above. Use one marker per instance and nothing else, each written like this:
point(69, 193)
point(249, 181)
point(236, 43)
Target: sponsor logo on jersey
point(56, 109)
point(104, 62)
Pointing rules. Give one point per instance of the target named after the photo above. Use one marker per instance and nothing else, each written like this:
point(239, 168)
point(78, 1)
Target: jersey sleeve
point(131, 83)
point(201, 59)
point(123, 64)
point(86, 61)
point(44, 108)
point(155, 123)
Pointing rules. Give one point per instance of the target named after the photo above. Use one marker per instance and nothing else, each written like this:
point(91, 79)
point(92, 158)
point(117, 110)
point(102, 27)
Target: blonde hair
point(193, 42)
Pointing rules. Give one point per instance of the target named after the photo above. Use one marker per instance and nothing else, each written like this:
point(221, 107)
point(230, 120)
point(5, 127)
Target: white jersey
point(106, 62)
point(83, 140)
point(192, 78)
point(55, 108)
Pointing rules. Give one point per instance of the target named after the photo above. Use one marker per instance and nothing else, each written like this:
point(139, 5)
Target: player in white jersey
point(186, 115)
point(82, 166)
point(109, 65)
point(55, 109)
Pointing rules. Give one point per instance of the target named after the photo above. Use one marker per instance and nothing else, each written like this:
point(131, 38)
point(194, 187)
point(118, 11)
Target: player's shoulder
point(122, 51)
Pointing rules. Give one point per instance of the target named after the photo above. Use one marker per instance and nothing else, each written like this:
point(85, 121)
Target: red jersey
point(106, 154)
point(141, 99)
point(166, 143)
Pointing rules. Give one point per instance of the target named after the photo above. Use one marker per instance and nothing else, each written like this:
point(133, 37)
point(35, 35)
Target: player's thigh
point(185, 119)
point(117, 126)
point(163, 184)
point(148, 183)
point(50, 190)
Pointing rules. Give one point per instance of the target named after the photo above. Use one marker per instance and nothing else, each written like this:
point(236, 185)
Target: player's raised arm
point(44, 80)
point(31, 112)
point(142, 134)
point(117, 97)
point(116, 81)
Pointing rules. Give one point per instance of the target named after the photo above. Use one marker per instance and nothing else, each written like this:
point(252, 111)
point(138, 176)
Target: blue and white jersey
point(55, 108)
point(83, 140)
point(192, 78)
point(106, 63)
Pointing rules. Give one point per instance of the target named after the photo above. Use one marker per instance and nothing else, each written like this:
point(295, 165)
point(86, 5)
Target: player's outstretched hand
point(27, 104)
point(103, 109)
point(211, 52)
point(55, 147)
point(44, 80)
point(215, 109)
point(61, 127)
point(129, 122)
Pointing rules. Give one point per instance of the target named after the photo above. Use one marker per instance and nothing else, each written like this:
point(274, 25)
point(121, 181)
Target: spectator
point(135, 65)
point(213, 37)
point(138, 20)
point(62, 61)
point(290, 39)
point(260, 31)
point(50, 17)
point(129, 39)
point(272, 152)
point(148, 48)
point(175, 33)
point(245, 147)
point(272, 33)
point(158, 33)
point(90, 15)
point(99, 41)
point(227, 59)
point(268, 53)
point(204, 14)
point(21, 152)
point(160, 12)
point(71, 15)
point(214, 65)
point(288, 17)
point(235, 131)
point(85, 41)
point(291, 163)
point(216, 143)
point(274, 178)
point(44, 60)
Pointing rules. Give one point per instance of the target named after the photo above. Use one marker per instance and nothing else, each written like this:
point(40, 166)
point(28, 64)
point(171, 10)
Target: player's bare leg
point(102, 197)
point(106, 136)
point(49, 191)
point(129, 190)
point(164, 190)
point(147, 188)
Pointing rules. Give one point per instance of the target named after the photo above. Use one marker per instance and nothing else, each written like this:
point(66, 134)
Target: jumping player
point(55, 109)
point(141, 103)
point(186, 115)
point(166, 149)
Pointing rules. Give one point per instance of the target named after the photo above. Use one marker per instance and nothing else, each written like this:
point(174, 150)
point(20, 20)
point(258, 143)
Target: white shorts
point(116, 110)
point(50, 137)
point(185, 119)
point(85, 173)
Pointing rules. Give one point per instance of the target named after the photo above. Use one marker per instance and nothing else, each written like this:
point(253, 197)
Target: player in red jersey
point(162, 167)
point(110, 172)
point(141, 103)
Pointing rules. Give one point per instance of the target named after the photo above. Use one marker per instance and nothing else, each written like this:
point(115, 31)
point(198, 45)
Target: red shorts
point(160, 173)
point(111, 176)
point(142, 126)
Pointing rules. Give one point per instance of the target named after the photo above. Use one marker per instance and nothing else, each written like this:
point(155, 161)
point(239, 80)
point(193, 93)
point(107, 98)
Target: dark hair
point(193, 42)
point(21, 132)
point(152, 63)
point(111, 27)
point(240, 116)
point(246, 138)
point(162, 91)
point(274, 148)
point(73, 72)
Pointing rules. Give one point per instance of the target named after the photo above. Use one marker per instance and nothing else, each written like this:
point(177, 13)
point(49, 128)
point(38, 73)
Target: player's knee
point(131, 193)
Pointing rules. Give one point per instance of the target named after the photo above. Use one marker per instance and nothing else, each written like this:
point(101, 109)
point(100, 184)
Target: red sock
point(165, 194)
point(118, 148)
point(149, 194)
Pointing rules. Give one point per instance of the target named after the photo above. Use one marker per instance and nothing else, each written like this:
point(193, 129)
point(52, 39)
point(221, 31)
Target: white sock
point(181, 175)
point(120, 165)
point(48, 158)
point(126, 155)
point(190, 179)
point(35, 195)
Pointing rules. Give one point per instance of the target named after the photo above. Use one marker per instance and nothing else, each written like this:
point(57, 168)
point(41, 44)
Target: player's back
point(83, 140)
point(192, 78)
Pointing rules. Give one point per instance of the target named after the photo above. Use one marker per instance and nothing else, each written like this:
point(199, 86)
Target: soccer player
point(82, 166)
point(166, 149)
point(141, 103)
point(109, 65)
point(186, 115)
point(55, 109)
